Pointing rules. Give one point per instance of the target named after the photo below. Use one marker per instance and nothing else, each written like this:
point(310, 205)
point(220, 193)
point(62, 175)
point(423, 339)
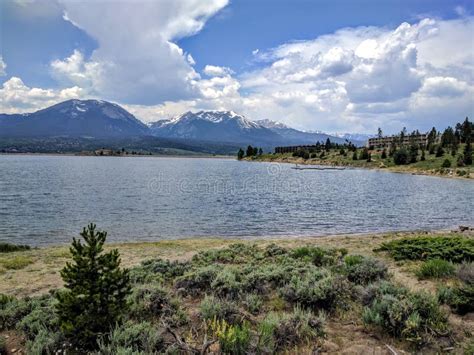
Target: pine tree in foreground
point(96, 290)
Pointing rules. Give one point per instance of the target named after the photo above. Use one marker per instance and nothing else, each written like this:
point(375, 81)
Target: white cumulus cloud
point(137, 60)
point(16, 97)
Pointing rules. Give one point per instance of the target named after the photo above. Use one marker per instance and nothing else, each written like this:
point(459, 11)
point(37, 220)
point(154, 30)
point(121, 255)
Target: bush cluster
point(9, 248)
point(454, 249)
point(231, 288)
point(415, 317)
point(435, 268)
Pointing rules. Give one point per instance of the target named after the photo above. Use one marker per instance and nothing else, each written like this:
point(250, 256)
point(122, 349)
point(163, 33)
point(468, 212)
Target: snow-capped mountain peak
point(272, 124)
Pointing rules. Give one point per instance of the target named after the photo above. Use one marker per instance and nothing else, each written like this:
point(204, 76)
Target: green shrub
point(253, 303)
point(96, 292)
point(266, 277)
point(274, 250)
point(4, 299)
point(401, 157)
point(228, 282)
point(454, 249)
point(45, 342)
point(233, 339)
point(318, 289)
point(8, 248)
point(363, 270)
point(319, 256)
point(465, 272)
point(238, 253)
point(198, 280)
point(3, 345)
point(446, 163)
point(435, 268)
point(14, 311)
point(41, 317)
point(415, 317)
point(215, 308)
point(460, 298)
point(168, 269)
point(149, 301)
point(132, 338)
point(283, 331)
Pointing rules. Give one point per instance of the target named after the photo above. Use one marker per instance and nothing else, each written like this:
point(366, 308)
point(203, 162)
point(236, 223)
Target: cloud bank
point(355, 79)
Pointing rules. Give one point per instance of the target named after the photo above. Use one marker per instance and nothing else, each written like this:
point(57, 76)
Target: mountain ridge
point(102, 119)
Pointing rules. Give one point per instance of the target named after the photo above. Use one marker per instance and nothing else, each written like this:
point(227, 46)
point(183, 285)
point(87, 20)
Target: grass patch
point(435, 268)
point(16, 262)
point(454, 249)
point(9, 248)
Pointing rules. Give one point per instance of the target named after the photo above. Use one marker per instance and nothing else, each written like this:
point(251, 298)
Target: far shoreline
point(197, 156)
point(397, 170)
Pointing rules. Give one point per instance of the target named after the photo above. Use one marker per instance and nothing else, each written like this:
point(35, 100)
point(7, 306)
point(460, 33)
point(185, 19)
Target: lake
point(47, 200)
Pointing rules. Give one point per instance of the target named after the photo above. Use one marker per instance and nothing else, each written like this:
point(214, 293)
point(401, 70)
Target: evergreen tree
point(431, 149)
point(467, 129)
point(327, 146)
point(369, 157)
point(96, 290)
point(401, 157)
point(364, 154)
point(431, 140)
point(446, 163)
point(422, 155)
point(249, 152)
point(403, 134)
point(260, 151)
point(439, 151)
point(413, 153)
point(384, 154)
point(354, 155)
point(467, 157)
point(240, 154)
point(448, 137)
point(379, 133)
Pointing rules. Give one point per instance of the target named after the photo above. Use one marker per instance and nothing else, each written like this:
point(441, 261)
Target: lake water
point(48, 199)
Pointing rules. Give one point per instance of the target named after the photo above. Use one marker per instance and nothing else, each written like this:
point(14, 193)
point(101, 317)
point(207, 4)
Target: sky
point(327, 65)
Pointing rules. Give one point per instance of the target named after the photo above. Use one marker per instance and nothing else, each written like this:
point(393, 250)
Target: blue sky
point(317, 65)
point(245, 25)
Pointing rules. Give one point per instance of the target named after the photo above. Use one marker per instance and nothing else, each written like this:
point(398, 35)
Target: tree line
point(250, 152)
point(437, 144)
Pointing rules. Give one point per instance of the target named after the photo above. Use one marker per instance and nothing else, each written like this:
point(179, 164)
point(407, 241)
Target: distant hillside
point(74, 118)
point(141, 144)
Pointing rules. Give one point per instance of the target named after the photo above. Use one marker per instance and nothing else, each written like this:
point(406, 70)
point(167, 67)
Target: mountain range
point(104, 120)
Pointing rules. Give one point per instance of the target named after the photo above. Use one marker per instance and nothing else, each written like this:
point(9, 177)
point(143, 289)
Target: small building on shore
point(296, 148)
point(385, 142)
